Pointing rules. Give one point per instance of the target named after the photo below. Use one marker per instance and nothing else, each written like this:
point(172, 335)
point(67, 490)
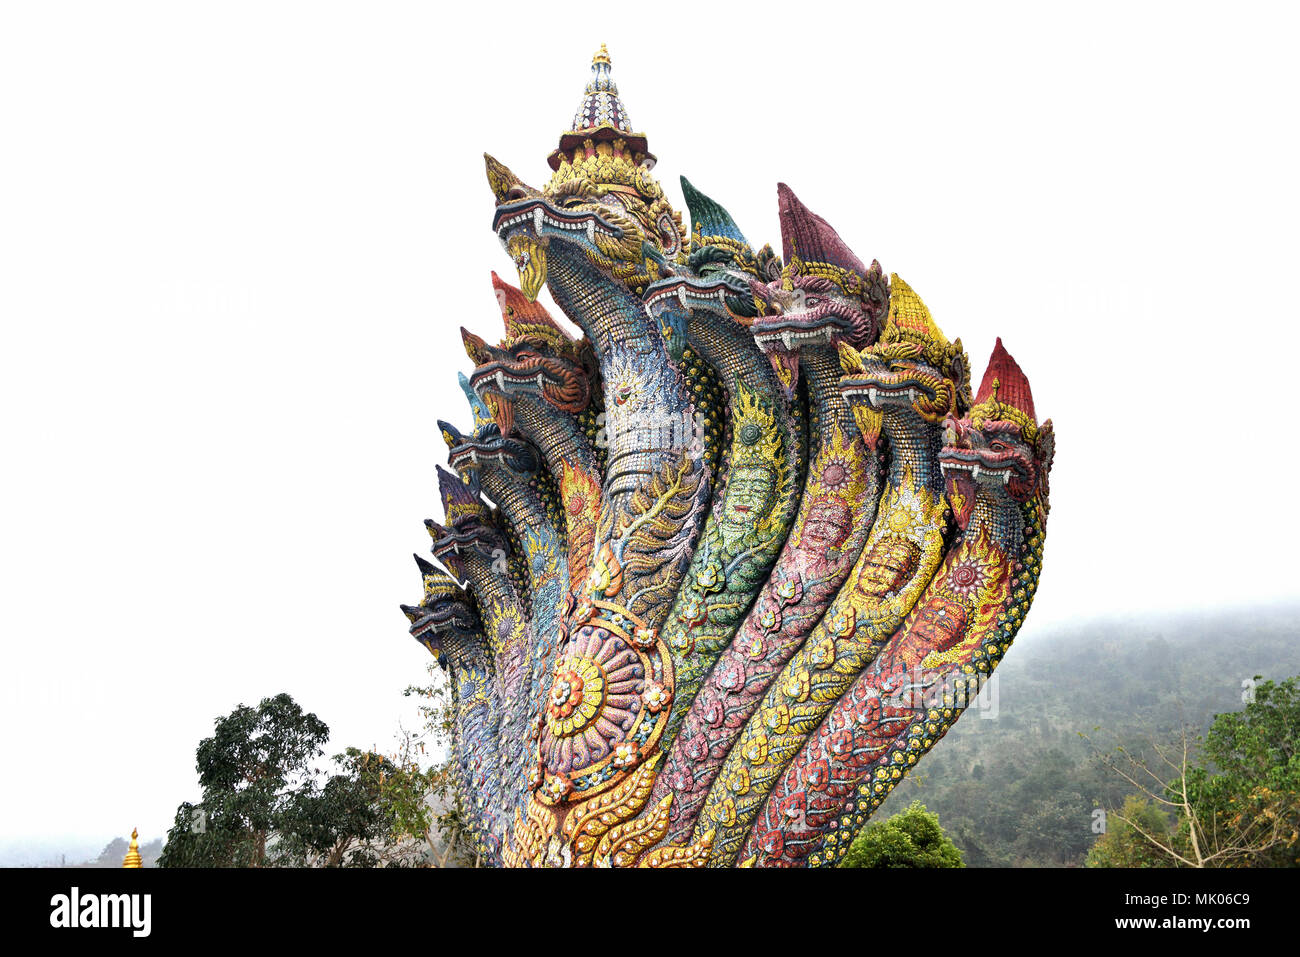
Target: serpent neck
point(998, 514)
point(522, 507)
point(821, 366)
point(913, 446)
point(648, 412)
point(557, 436)
point(731, 350)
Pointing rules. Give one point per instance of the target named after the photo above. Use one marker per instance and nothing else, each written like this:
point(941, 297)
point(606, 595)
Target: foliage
point(1123, 844)
point(440, 806)
point(912, 838)
point(1247, 811)
point(341, 822)
point(1243, 809)
point(1032, 801)
point(264, 804)
point(254, 771)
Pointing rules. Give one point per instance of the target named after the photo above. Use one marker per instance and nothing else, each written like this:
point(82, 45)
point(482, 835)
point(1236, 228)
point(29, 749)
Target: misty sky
point(237, 246)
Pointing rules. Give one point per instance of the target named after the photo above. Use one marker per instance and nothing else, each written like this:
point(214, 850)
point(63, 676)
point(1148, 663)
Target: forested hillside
point(1015, 784)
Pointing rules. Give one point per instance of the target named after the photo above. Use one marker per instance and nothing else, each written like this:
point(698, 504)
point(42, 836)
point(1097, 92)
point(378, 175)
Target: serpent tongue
point(503, 412)
point(869, 421)
point(961, 488)
point(530, 260)
point(786, 366)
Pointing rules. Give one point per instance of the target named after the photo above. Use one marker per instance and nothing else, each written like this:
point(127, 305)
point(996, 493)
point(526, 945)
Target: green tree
point(253, 771)
point(1241, 808)
point(264, 804)
point(342, 823)
point(1246, 812)
point(1128, 838)
point(911, 838)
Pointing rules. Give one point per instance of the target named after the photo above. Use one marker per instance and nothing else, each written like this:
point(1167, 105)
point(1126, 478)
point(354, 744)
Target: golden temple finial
point(601, 117)
point(133, 858)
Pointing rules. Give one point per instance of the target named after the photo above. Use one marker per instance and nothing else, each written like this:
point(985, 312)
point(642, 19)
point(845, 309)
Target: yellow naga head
point(912, 365)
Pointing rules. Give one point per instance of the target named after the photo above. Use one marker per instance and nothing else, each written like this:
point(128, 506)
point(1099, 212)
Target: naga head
point(470, 527)
point(716, 279)
point(825, 295)
point(911, 369)
point(601, 199)
point(487, 446)
point(444, 610)
point(998, 446)
point(537, 358)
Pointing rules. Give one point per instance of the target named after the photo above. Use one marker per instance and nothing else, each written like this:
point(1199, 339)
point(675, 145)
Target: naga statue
point(716, 572)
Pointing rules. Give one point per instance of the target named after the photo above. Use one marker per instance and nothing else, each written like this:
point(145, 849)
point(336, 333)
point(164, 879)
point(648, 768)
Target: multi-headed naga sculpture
point(717, 574)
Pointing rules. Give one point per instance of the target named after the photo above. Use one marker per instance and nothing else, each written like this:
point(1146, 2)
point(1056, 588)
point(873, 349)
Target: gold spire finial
point(133, 858)
point(602, 56)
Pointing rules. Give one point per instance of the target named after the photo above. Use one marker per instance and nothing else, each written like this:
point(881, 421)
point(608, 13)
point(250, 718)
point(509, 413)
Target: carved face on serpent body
point(750, 492)
point(827, 527)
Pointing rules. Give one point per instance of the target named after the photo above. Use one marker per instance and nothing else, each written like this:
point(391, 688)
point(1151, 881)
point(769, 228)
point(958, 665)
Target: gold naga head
point(601, 197)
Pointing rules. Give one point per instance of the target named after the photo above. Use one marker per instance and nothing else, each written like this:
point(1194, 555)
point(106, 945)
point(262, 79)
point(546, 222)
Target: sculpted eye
point(811, 301)
point(998, 446)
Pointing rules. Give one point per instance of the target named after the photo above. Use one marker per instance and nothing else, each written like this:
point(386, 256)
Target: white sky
point(236, 243)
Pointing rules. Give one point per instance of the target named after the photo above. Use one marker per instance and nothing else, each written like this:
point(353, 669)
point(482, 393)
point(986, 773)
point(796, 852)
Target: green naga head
point(717, 278)
point(601, 199)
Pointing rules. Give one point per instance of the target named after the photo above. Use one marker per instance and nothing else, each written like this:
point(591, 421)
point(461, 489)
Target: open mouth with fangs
point(474, 454)
point(982, 465)
point(508, 380)
point(692, 293)
point(883, 389)
point(792, 330)
point(437, 621)
point(454, 543)
point(541, 216)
